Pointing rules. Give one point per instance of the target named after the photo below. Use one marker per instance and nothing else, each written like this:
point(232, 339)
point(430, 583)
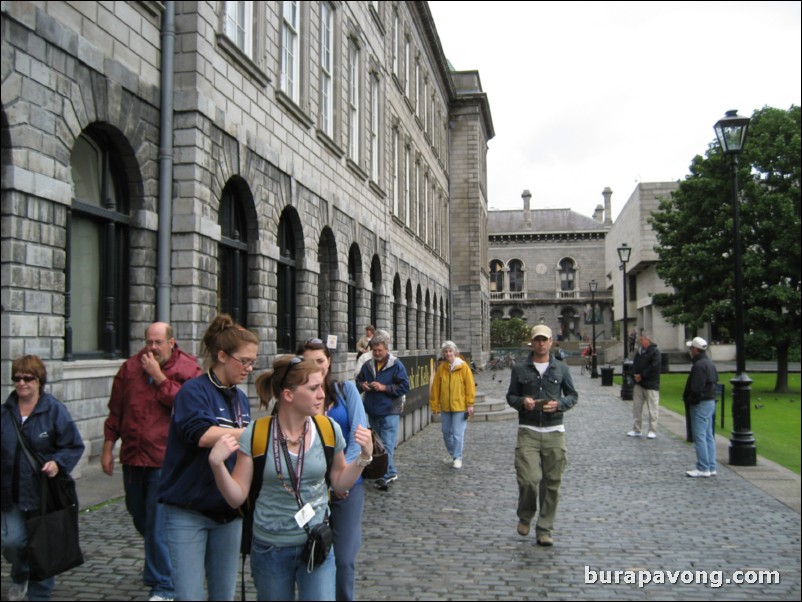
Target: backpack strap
point(326, 431)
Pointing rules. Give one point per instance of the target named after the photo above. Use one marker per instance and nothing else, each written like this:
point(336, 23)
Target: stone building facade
point(633, 229)
point(291, 163)
point(541, 262)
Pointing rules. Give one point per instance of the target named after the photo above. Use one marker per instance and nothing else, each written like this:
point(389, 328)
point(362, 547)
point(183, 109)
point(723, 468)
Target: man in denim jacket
point(541, 390)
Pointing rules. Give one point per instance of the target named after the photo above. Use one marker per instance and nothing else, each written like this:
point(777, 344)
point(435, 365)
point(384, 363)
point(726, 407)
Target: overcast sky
point(592, 94)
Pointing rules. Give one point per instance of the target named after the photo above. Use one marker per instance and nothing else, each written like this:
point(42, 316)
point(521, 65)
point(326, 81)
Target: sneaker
point(651, 435)
point(158, 597)
point(447, 459)
point(522, 528)
point(713, 473)
point(545, 540)
point(457, 463)
point(696, 473)
point(633, 434)
point(18, 591)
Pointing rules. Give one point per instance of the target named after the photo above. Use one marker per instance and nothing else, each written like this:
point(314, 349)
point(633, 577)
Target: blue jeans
point(453, 425)
point(196, 542)
point(276, 572)
point(346, 525)
point(13, 539)
point(142, 500)
point(387, 428)
point(704, 438)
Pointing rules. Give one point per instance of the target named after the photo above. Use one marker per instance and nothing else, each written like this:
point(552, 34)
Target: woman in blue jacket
point(52, 435)
point(203, 531)
point(343, 405)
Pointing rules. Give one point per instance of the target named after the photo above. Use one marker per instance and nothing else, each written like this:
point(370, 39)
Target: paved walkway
point(443, 534)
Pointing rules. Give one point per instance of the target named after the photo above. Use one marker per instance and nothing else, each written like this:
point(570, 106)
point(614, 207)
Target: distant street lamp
point(731, 133)
point(593, 285)
point(627, 384)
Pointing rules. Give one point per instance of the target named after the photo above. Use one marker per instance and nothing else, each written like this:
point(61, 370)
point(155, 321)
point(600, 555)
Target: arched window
point(567, 274)
point(97, 252)
point(286, 285)
point(354, 274)
point(516, 313)
point(375, 289)
point(232, 266)
point(396, 309)
point(516, 276)
point(496, 276)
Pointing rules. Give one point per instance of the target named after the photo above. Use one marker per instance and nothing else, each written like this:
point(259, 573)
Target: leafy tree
point(694, 233)
point(508, 333)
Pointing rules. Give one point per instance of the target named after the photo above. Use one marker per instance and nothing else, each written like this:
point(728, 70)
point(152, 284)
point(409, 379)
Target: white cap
point(697, 342)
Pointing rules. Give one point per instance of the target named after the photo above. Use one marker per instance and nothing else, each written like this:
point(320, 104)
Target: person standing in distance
point(541, 390)
point(140, 405)
point(700, 395)
point(646, 372)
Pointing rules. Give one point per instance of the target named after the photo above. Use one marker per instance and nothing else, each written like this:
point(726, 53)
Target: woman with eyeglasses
point(36, 413)
point(343, 405)
point(203, 531)
point(294, 476)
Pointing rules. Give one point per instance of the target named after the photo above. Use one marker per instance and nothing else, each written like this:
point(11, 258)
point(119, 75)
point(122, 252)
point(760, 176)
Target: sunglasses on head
point(27, 379)
point(314, 341)
point(296, 360)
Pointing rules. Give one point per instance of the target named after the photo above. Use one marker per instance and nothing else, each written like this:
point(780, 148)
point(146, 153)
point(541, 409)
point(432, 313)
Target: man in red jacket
point(139, 413)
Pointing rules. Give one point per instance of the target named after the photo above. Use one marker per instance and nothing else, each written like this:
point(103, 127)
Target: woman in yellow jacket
point(452, 395)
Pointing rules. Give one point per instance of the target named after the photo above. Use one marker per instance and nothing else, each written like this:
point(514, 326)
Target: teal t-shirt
point(274, 514)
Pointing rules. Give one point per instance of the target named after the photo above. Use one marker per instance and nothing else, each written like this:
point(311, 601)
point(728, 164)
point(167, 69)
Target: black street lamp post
point(628, 385)
point(594, 373)
point(731, 133)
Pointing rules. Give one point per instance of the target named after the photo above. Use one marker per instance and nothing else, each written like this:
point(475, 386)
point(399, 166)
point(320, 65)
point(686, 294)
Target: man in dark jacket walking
point(541, 390)
point(646, 372)
point(700, 395)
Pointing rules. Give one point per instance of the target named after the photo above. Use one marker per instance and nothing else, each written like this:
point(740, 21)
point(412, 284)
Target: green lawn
point(775, 417)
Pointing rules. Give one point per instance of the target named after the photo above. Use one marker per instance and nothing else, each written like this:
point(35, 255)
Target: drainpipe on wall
point(164, 243)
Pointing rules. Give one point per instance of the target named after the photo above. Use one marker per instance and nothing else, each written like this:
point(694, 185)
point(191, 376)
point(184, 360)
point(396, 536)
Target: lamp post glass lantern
point(628, 385)
point(593, 285)
point(731, 132)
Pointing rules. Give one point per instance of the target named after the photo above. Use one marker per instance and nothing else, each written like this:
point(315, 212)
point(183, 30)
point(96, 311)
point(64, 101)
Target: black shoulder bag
point(53, 545)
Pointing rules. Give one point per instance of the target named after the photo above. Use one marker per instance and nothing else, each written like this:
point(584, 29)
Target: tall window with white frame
point(407, 65)
point(290, 50)
point(396, 34)
point(396, 168)
point(327, 68)
point(98, 256)
point(239, 25)
point(353, 101)
point(426, 207)
point(374, 127)
point(417, 199)
point(408, 187)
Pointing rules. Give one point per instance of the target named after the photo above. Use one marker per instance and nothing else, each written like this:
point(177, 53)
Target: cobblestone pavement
point(445, 534)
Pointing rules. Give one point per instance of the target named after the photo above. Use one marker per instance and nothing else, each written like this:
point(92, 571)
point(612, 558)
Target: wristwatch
point(363, 463)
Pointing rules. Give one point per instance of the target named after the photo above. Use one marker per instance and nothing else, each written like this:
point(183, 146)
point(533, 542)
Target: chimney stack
point(527, 197)
point(598, 214)
point(608, 212)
